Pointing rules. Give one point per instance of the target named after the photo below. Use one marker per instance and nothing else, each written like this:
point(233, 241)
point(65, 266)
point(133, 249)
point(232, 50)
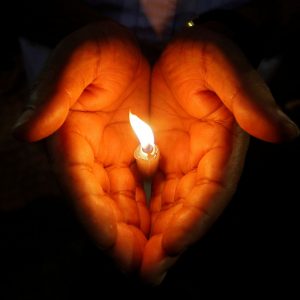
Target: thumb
point(41, 120)
point(60, 84)
point(246, 95)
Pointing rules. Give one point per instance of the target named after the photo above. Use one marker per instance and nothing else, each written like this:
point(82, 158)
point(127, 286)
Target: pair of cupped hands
point(200, 97)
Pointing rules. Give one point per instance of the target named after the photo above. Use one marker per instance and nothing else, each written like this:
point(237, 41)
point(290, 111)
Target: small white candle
point(147, 153)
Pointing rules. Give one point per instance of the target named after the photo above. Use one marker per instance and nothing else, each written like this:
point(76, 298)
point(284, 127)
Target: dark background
point(251, 250)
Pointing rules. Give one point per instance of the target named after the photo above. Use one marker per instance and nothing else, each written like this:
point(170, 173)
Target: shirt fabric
point(135, 14)
point(154, 22)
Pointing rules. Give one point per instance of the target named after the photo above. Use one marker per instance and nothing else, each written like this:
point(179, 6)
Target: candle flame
point(143, 132)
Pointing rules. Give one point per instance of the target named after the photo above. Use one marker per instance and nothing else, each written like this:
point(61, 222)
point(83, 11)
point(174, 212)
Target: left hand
point(203, 92)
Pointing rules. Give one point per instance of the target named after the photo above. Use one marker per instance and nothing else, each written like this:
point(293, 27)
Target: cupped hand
point(204, 96)
point(82, 100)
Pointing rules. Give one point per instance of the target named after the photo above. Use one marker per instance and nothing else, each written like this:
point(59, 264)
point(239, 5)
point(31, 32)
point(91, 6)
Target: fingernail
point(292, 128)
point(24, 118)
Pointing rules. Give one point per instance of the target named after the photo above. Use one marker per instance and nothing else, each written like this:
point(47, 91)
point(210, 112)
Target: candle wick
point(148, 149)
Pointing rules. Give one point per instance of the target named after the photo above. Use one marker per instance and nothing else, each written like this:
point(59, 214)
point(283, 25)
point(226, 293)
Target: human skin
point(204, 98)
point(81, 103)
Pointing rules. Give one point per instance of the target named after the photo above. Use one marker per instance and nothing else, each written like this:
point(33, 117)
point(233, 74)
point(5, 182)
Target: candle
point(146, 153)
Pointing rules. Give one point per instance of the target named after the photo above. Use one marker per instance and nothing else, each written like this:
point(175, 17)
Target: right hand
point(82, 100)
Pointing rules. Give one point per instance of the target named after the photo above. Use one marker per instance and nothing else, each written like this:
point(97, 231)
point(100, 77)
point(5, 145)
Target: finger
point(203, 65)
point(244, 92)
point(155, 262)
point(61, 83)
point(128, 248)
point(88, 192)
point(105, 222)
point(108, 223)
point(217, 176)
point(129, 196)
point(88, 71)
point(116, 222)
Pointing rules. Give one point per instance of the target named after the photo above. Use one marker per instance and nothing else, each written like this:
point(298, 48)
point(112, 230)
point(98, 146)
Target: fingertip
point(38, 123)
point(24, 118)
point(19, 129)
point(155, 262)
point(127, 250)
point(266, 122)
point(290, 128)
point(158, 279)
point(276, 129)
